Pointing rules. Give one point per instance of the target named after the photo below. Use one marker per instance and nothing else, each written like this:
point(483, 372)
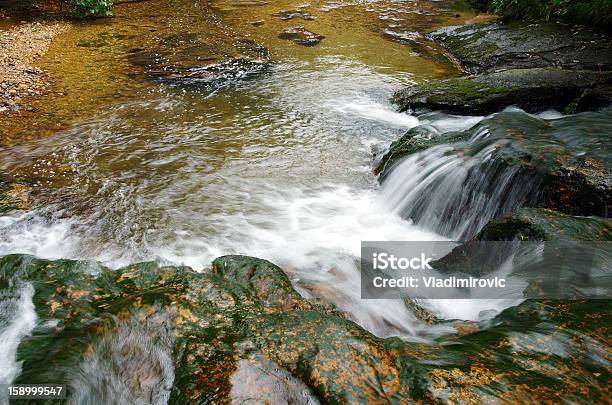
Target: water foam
point(17, 320)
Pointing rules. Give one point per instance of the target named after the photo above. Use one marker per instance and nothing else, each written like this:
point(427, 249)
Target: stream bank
point(20, 47)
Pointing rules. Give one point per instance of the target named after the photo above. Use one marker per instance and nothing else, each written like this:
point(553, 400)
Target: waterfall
point(455, 189)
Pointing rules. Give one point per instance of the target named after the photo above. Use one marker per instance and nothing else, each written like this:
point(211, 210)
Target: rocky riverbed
point(20, 47)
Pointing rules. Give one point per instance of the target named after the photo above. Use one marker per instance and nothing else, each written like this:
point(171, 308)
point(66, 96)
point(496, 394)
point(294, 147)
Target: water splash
point(17, 320)
point(131, 363)
point(456, 193)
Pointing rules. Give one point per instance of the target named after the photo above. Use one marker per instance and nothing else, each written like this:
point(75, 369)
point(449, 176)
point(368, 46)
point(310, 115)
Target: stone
point(522, 45)
point(533, 90)
point(301, 36)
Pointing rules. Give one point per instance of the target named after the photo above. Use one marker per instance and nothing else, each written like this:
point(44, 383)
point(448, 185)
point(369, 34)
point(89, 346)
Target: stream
point(274, 163)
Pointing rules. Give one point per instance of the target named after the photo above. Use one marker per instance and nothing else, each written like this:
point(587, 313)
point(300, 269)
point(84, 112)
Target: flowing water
point(144, 157)
point(276, 164)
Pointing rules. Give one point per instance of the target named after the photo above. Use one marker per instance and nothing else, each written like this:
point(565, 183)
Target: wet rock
point(543, 224)
point(301, 36)
point(192, 58)
point(533, 90)
point(271, 286)
point(561, 164)
point(465, 328)
point(486, 253)
point(536, 67)
point(292, 14)
point(491, 46)
point(196, 331)
point(172, 335)
point(509, 359)
point(260, 380)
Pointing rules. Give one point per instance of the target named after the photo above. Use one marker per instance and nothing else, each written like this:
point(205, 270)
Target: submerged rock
point(292, 14)
point(191, 58)
point(170, 335)
point(533, 90)
point(301, 36)
point(519, 45)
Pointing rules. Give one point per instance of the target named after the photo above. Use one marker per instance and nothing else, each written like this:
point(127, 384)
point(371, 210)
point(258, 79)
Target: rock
point(562, 164)
point(148, 333)
point(193, 58)
point(515, 364)
point(301, 36)
point(485, 254)
point(533, 90)
point(414, 140)
point(260, 380)
point(292, 14)
point(519, 45)
point(466, 328)
point(543, 224)
point(186, 334)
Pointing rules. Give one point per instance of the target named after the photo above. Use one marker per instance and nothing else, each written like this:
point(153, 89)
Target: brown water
point(273, 160)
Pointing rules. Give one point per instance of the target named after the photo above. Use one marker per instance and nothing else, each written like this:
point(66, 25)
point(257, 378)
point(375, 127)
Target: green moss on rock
point(568, 158)
point(533, 90)
point(544, 224)
point(168, 333)
point(490, 46)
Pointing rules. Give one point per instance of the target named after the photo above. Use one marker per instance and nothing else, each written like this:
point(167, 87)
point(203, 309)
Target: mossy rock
point(532, 353)
point(490, 248)
point(415, 140)
point(543, 224)
point(566, 161)
point(532, 90)
point(168, 334)
point(519, 45)
point(171, 333)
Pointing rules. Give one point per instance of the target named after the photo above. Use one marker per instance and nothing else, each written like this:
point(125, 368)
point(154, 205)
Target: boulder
point(535, 66)
point(157, 334)
point(521, 45)
point(175, 335)
point(562, 164)
point(533, 90)
point(542, 224)
point(489, 249)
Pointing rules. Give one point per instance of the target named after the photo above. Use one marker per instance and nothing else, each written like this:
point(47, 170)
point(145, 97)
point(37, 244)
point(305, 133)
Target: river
point(274, 163)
